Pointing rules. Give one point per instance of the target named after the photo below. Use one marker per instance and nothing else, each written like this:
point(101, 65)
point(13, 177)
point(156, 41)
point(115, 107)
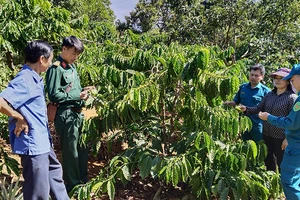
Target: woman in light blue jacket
point(290, 166)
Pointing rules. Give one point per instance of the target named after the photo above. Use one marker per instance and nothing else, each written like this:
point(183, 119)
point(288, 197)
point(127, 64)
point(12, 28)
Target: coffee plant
point(166, 103)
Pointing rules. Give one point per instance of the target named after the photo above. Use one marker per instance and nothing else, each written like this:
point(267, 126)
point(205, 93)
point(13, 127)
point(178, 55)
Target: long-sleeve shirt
point(249, 96)
point(291, 125)
point(63, 85)
point(278, 105)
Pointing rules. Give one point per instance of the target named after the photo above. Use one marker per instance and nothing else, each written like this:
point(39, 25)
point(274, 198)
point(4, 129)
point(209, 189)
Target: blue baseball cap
point(295, 70)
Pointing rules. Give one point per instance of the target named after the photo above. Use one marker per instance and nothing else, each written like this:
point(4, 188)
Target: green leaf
point(81, 193)
point(186, 163)
point(240, 187)
point(211, 155)
point(134, 114)
point(210, 175)
point(224, 194)
point(144, 99)
point(96, 187)
point(145, 166)
point(162, 61)
point(197, 141)
point(221, 185)
point(163, 170)
point(253, 148)
point(168, 174)
point(207, 140)
point(203, 58)
point(138, 98)
point(111, 190)
point(114, 161)
point(155, 166)
point(175, 174)
point(104, 186)
point(125, 170)
point(184, 174)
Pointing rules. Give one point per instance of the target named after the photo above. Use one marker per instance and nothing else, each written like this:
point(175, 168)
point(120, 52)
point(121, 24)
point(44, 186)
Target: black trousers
point(275, 153)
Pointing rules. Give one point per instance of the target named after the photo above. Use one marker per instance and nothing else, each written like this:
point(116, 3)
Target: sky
point(122, 8)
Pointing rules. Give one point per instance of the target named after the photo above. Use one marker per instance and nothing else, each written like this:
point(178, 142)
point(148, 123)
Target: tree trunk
point(9, 60)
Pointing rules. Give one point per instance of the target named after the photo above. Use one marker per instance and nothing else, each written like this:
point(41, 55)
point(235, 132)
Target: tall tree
point(256, 29)
point(22, 21)
point(96, 10)
point(94, 18)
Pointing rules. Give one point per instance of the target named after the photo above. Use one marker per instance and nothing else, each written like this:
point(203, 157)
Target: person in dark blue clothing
point(24, 101)
point(251, 94)
point(290, 165)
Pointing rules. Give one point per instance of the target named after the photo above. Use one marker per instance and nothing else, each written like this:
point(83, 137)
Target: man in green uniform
point(64, 89)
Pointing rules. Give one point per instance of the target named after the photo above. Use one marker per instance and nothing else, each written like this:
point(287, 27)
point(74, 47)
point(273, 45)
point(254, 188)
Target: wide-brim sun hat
point(283, 72)
point(295, 70)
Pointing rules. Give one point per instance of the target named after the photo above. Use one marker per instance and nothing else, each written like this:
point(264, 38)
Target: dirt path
point(89, 113)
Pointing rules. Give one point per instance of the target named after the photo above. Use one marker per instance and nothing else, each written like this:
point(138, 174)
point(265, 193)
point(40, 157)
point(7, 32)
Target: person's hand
point(88, 88)
point(263, 115)
point(242, 108)
point(84, 95)
point(229, 103)
point(21, 125)
point(284, 144)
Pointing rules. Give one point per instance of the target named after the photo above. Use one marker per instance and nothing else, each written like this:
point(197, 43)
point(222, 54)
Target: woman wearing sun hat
point(278, 102)
point(290, 166)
